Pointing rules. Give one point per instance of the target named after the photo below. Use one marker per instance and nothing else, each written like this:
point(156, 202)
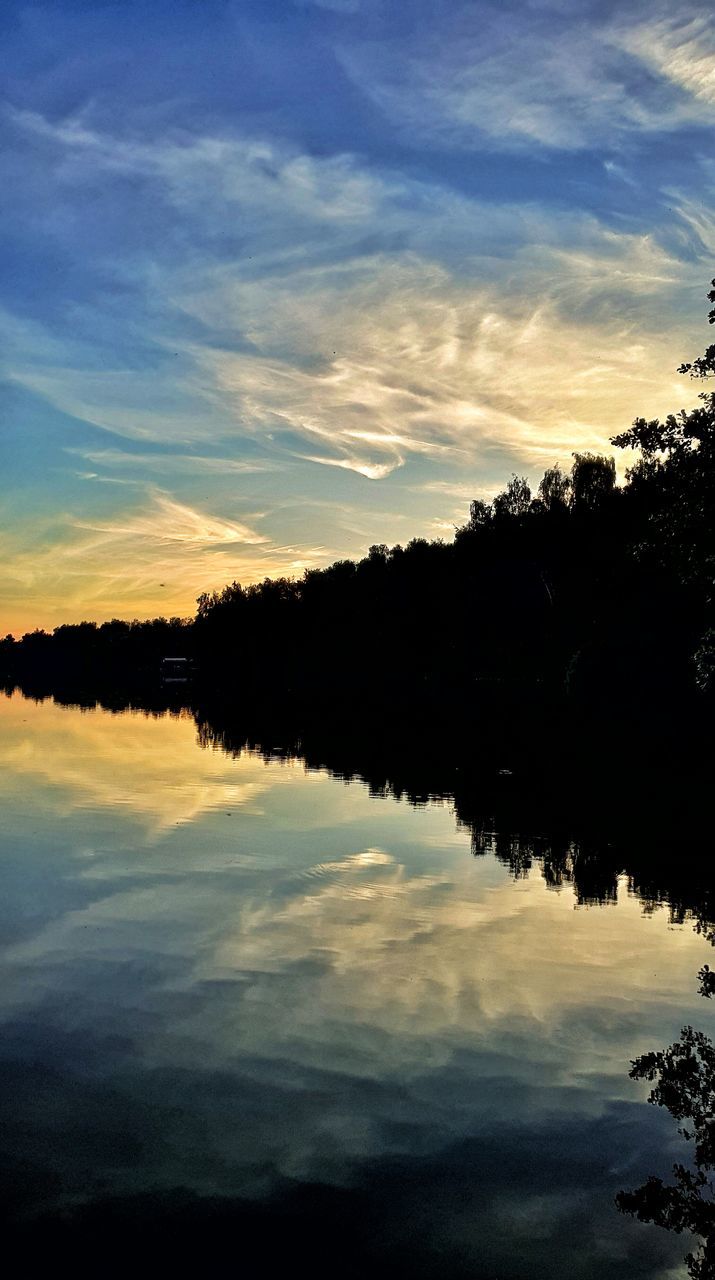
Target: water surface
point(239, 977)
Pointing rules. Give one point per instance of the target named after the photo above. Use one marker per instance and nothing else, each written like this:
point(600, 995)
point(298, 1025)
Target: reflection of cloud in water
point(294, 940)
point(328, 986)
point(414, 967)
point(143, 769)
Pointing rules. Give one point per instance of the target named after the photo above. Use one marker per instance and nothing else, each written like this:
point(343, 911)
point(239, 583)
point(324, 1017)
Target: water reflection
point(307, 1004)
point(683, 1078)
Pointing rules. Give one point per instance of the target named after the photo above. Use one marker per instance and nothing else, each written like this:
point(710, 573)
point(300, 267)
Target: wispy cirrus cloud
point(208, 173)
point(562, 77)
point(171, 521)
point(426, 364)
point(157, 556)
point(182, 463)
point(325, 352)
point(337, 6)
point(680, 48)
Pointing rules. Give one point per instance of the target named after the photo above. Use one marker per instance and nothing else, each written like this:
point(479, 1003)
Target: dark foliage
point(684, 1076)
point(118, 649)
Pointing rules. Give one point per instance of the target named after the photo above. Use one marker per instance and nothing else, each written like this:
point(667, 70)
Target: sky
point(285, 278)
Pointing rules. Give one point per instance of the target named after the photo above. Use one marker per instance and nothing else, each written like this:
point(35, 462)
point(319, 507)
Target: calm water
point(239, 977)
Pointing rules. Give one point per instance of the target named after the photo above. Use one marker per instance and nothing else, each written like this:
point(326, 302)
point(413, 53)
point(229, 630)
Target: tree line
point(586, 591)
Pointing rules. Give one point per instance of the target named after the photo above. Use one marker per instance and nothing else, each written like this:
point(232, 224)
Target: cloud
point(371, 470)
point(680, 49)
point(561, 78)
point(337, 6)
point(358, 360)
point(170, 521)
point(206, 174)
point(153, 560)
point(176, 462)
point(428, 365)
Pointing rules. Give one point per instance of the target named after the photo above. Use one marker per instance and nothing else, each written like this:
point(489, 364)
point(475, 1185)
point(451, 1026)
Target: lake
point(243, 987)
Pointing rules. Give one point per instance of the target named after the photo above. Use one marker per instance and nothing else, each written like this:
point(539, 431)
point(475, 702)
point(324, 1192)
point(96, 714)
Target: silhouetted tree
point(554, 489)
point(673, 482)
point(515, 499)
point(704, 366)
point(593, 479)
point(480, 513)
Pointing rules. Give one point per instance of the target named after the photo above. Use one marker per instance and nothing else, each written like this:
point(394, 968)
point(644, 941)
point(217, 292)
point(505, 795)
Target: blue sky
point(281, 280)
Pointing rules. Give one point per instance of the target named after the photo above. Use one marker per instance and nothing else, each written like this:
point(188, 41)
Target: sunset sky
point(284, 278)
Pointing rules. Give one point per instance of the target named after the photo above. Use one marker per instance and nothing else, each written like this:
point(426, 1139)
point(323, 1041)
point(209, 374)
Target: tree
point(480, 513)
point(673, 479)
point(704, 366)
point(378, 553)
point(554, 489)
point(593, 479)
point(515, 499)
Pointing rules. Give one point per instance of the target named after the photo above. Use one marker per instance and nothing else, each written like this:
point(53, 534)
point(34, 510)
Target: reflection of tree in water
point(674, 874)
point(683, 1078)
point(582, 845)
point(562, 861)
point(589, 841)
